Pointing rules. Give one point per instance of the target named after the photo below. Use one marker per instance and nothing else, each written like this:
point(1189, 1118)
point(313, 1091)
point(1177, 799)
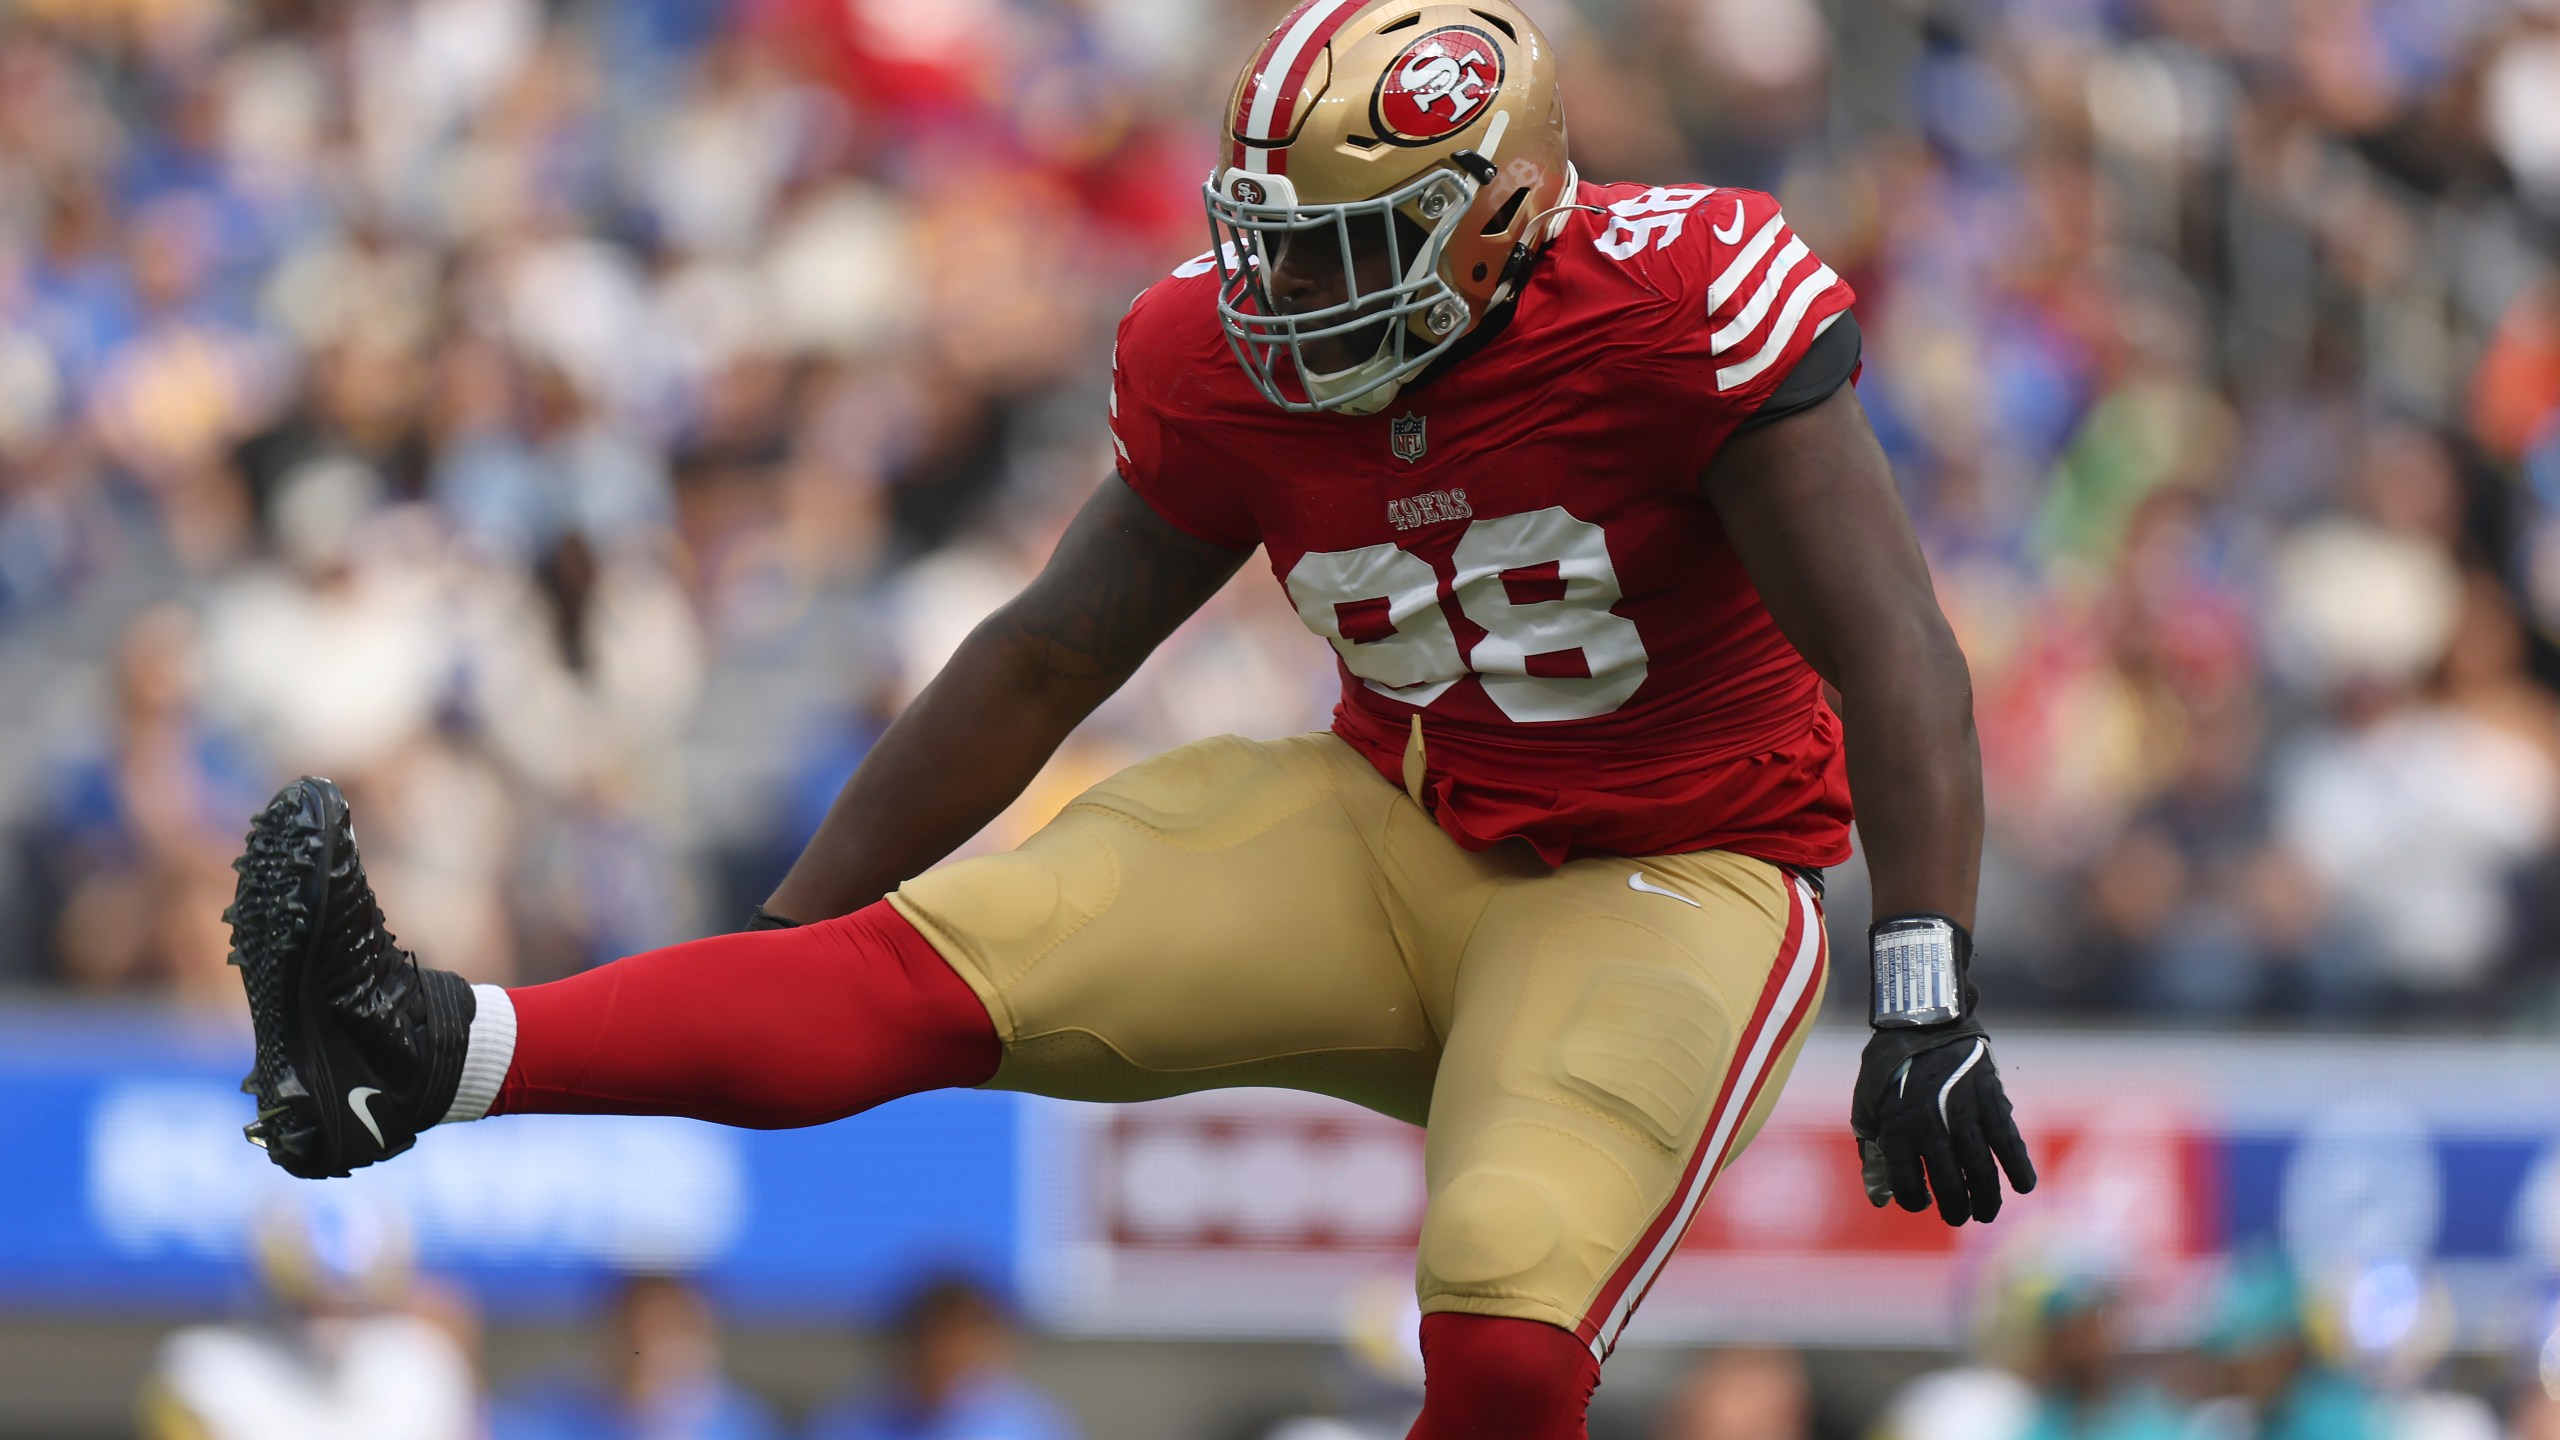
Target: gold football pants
point(1588, 1045)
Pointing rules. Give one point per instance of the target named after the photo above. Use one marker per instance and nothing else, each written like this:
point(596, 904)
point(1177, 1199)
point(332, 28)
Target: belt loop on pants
point(1413, 765)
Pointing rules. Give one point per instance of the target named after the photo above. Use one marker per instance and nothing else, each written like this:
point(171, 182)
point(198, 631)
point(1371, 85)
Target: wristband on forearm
point(1920, 963)
point(766, 920)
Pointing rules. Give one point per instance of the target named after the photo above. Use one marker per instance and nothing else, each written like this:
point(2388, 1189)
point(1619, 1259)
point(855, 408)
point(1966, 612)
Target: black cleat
point(359, 1046)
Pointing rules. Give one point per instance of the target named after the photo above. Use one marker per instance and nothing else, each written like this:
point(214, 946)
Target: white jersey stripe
point(1798, 302)
point(1773, 1034)
point(1743, 264)
point(1742, 325)
point(1275, 72)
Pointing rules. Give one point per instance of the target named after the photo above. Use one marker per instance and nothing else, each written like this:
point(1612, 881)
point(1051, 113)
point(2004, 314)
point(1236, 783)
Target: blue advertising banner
point(125, 1184)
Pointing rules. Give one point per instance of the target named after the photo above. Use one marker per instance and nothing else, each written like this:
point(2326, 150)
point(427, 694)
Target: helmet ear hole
point(1510, 211)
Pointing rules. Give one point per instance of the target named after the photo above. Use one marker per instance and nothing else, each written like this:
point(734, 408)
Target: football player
point(1571, 478)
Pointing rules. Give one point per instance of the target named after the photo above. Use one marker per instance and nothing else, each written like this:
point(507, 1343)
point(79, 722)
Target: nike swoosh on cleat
point(357, 1100)
point(1638, 882)
point(1729, 235)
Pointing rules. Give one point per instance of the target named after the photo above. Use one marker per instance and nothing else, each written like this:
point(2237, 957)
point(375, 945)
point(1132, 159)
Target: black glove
point(766, 920)
point(1929, 1112)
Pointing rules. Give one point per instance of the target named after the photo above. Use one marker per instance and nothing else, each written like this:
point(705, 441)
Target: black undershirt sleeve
point(1827, 365)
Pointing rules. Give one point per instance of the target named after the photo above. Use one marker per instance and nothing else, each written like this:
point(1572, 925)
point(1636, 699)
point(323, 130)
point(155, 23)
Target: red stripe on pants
point(1804, 924)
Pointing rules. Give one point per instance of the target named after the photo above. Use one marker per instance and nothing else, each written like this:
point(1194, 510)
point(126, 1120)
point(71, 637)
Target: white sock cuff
point(491, 1048)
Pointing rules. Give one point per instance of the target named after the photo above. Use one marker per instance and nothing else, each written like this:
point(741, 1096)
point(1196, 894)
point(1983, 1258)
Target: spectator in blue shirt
point(127, 850)
point(663, 1380)
point(952, 1378)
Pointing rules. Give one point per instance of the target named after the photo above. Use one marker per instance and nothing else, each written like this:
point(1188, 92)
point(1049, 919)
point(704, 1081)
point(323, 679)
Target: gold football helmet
point(1388, 170)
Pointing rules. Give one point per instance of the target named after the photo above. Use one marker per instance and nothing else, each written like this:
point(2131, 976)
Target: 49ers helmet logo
point(1439, 83)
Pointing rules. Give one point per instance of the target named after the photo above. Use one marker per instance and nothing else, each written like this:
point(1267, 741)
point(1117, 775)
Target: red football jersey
point(1519, 552)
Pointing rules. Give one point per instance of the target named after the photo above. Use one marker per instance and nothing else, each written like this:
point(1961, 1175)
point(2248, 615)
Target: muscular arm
point(1121, 579)
point(1810, 505)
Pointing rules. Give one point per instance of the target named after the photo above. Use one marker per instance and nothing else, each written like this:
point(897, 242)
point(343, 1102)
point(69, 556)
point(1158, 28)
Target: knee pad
point(1489, 1225)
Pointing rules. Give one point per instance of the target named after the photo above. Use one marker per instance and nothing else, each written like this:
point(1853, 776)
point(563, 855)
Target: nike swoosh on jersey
point(357, 1100)
point(1730, 233)
point(1638, 882)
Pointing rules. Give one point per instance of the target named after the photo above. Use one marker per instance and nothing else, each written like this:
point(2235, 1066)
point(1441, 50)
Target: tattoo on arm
point(1121, 580)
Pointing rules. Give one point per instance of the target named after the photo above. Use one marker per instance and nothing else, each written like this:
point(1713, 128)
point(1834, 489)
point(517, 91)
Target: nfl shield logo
point(1404, 436)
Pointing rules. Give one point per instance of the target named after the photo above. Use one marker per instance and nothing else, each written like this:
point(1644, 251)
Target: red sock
point(766, 1029)
point(1490, 1378)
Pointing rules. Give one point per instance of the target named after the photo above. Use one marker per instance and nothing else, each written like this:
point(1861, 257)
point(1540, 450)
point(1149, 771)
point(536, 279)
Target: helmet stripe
point(1254, 72)
point(1270, 97)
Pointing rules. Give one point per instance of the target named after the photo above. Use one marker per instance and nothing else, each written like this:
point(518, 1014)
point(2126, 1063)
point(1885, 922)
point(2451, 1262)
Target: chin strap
point(1373, 402)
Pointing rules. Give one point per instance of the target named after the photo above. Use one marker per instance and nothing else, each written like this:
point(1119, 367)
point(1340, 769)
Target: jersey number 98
point(1539, 584)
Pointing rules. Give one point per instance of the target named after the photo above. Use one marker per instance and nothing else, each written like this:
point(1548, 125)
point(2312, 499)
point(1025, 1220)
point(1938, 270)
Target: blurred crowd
point(576, 425)
point(2262, 1352)
point(2218, 349)
point(347, 1341)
